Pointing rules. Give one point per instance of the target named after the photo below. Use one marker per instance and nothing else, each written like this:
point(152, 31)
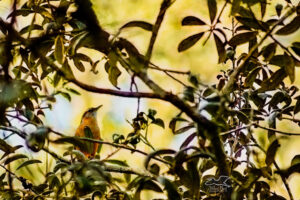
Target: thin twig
point(237, 129)
point(277, 131)
point(292, 119)
point(156, 67)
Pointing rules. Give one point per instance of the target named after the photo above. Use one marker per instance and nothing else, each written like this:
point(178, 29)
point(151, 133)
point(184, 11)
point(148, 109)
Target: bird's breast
point(92, 124)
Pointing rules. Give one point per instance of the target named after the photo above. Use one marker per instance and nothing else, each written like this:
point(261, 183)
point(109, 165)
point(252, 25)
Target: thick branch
point(125, 170)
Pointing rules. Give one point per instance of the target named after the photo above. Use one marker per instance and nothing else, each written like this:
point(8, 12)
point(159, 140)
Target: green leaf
point(83, 57)
point(60, 165)
point(297, 107)
point(73, 91)
point(281, 60)
point(273, 82)
point(66, 69)
point(296, 47)
point(212, 8)
point(78, 154)
point(76, 42)
point(263, 8)
point(57, 77)
point(242, 38)
point(59, 49)
point(184, 129)
point(220, 48)
point(189, 42)
point(4, 146)
point(117, 162)
point(170, 188)
point(29, 162)
point(172, 124)
point(112, 69)
point(66, 95)
point(14, 157)
point(295, 160)
point(276, 197)
point(156, 153)
point(269, 51)
point(290, 69)
point(188, 93)
point(191, 21)
point(150, 185)
point(159, 122)
point(188, 140)
point(24, 12)
point(277, 98)
point(287, 63)
point(53, 181)
point(251, 77)
point(78, 64)
point(250, 22)
point(235, 6)
point(290, 28)
point(113, 75)
point(30, 28)
point(278, 8)
point(141, 24)
point(271, 152)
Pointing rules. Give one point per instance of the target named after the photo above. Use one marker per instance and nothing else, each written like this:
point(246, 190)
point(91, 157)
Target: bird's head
point(91, 112)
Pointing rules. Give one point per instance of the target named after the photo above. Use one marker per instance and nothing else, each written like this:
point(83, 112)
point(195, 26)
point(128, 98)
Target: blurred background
point(65, 116)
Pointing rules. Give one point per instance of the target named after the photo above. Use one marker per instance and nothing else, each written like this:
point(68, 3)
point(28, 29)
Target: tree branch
point(228, 88)
point(163, 8)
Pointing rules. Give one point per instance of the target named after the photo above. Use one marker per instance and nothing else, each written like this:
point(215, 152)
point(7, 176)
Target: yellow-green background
point(200, 59)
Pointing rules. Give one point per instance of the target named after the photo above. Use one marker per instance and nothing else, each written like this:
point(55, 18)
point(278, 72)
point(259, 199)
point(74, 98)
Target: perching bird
point(89, 128)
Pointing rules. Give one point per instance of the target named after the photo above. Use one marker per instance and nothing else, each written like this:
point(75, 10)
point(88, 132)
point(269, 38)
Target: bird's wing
point(89, 134)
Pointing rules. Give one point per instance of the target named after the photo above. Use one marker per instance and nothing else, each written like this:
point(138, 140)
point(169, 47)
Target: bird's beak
point(97, 108)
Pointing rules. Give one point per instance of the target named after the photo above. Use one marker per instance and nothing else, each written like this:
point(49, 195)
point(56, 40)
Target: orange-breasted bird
point(89, 128)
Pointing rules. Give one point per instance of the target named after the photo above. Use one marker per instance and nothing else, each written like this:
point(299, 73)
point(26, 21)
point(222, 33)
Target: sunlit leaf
point(30, 28)
point(78, 64)
point(59, 49)
point(29, 162)
point(14, 157)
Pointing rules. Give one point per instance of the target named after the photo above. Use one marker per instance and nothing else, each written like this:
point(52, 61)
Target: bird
point(89, 128)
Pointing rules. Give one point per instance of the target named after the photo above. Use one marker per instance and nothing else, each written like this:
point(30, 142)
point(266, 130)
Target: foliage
point(218, 117)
